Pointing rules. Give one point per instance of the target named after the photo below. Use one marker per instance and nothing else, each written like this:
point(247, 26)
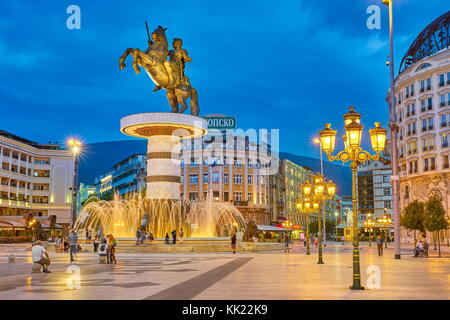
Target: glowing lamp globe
point(378, 137)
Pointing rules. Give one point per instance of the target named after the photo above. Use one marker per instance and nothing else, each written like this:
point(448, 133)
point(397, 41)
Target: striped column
point(163, 167)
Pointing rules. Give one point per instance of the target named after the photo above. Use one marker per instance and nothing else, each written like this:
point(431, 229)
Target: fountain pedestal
point(164, 132)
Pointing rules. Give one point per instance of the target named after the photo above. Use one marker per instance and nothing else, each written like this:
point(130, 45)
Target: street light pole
point(393, 127)
point(75, 149)
point(354, 154)
point(323, 206)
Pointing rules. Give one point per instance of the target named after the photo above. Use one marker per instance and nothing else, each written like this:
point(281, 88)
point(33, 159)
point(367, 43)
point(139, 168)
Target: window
point(413, 109)
point(250, 197)
point(445, 164)
point(225, 196)
point(430, 103)
point(238, 179)
point(442, 100)
point(215, 177)
point(430, 123)
point(441, 80)
point(387, 204)
point(433, 163)
point(443, 120)
point(237, 162)
point(205, 178)
point(424, 125)
point(429, 84)
point(425, 165)
point(193, 195)
point(193, 162)
point(422, 85)
point(238, 196)
point(193, 178)
point(387, 191)
point(423, 107)
point(385, 179)
point(412, 90)
point(249, 179)
point(444, 141)
point(225, 178)
point(182, 179)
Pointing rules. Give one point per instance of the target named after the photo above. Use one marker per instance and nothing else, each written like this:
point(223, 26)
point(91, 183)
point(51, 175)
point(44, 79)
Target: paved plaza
point(216, 276)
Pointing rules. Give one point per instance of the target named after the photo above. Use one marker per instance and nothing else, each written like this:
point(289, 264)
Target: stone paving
point(215, 276)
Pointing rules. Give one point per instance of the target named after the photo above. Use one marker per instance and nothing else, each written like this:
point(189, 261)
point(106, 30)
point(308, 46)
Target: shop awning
point(271, 228)
point(11, 224)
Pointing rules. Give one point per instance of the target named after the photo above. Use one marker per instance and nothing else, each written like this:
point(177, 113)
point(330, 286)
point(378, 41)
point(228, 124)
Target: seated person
point(418, 249)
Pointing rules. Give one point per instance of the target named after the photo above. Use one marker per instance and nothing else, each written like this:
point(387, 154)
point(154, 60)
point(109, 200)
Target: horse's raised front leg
point(123, 57)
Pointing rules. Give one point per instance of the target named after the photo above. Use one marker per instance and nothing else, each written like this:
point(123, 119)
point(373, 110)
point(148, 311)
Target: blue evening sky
point(288, 65)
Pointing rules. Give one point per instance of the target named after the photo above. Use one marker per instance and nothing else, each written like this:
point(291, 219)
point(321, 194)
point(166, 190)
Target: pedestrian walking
point(58, 244)
point(40, 255)
point(286, 242)
point(174, 236)
point(233, 242)
point(103, 252)
point(166, 239)
point(379, 242)
point(95, 245)
point(73, 238)
point(138, 236)
point(181, 235)
point(112, 244)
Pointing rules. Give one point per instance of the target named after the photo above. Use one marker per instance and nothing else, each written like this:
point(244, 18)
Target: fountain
point(122, 218)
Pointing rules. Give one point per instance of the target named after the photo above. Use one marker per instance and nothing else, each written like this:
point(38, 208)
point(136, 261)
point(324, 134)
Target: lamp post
point(319, 190)
point(369, 223)
point(317, 141)
point(354, 154)
point(393, 127)
point(75, 149)
point(307, 207)
point(335, 231)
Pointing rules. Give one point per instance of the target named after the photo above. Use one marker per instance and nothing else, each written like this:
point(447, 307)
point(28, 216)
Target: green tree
point(330, 225)
point(435, 218)
point(413, 217)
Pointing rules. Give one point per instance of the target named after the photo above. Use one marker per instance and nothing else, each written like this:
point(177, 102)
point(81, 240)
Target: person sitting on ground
point(40, 255)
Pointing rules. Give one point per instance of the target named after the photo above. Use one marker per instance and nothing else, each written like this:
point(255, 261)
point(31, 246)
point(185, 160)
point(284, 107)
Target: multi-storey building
point(294, 177)
point(422, 92)
point(35, 180)
point(228, 167)
point(374, 190)
point(128, 176)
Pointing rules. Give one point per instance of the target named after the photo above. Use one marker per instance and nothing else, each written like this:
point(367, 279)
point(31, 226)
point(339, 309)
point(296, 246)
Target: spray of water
point(123, 217)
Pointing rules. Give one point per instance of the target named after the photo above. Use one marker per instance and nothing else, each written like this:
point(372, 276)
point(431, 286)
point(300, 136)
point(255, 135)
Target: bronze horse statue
point(166, 74)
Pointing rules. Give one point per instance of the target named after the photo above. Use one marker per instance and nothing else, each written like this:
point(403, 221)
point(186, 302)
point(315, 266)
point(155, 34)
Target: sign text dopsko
point(220, 122)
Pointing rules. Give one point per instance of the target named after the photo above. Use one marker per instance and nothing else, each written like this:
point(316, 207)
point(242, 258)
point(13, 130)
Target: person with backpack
point(112, 244)
point(103, 251)
point(138, 237)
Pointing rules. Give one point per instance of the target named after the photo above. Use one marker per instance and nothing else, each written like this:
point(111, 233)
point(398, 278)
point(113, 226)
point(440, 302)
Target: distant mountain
point(98, 159)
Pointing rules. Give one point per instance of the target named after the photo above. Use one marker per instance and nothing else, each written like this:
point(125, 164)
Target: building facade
point(422, 92)
point(128, 176)
point(35, 180)
point(227, 167)
point(374, 190)
point(294, 177)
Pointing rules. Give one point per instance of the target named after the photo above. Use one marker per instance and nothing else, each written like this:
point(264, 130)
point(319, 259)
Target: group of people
point(107, 248)
point(174, 237)
point(420, 247)
point(141, 236)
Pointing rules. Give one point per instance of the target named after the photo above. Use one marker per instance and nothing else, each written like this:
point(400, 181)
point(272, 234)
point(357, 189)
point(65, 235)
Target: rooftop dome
point(434, 38)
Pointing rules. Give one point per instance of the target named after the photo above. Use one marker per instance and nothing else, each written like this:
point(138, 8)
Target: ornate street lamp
point(354, 154)
point(318, 190)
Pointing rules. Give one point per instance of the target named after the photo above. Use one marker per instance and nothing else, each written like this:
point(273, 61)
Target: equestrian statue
point(166, 69)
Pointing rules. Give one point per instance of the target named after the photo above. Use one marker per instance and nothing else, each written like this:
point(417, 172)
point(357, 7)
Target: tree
point(413, 217)
point(314, 225)
point(435, 218)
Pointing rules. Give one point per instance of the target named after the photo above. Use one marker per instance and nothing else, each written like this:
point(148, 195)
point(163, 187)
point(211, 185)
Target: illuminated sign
point(220, 122)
